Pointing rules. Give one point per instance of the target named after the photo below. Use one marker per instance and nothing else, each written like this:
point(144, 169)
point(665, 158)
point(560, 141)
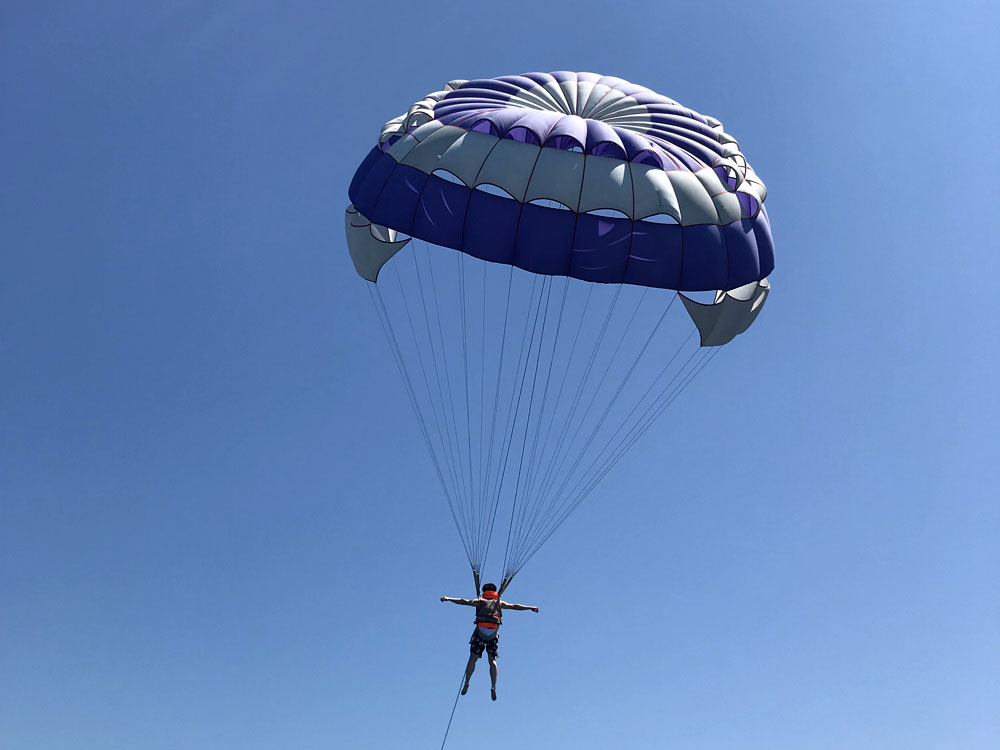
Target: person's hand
point(444, 598)
point(534, 609)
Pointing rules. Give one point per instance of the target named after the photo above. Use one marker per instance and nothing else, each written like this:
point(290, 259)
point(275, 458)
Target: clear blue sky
point(203, 540)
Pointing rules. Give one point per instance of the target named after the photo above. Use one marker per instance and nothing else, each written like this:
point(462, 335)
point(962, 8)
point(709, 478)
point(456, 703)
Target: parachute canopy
point(686, 209)
point(573, 188)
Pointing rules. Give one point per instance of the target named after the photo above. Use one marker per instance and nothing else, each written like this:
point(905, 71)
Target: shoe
point(493, 693)
point(465, 688)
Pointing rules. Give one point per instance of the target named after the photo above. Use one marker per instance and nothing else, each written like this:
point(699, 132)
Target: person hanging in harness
point(489, 613)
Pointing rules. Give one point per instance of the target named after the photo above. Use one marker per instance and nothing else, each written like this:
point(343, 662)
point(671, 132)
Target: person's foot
point(493, 693)
point(465, 688)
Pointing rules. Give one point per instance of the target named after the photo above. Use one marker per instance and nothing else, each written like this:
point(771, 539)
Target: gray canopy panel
point(370, 245)
point(731, 313)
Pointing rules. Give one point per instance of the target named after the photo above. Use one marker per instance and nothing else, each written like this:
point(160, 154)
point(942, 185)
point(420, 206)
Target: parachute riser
point(504, 584)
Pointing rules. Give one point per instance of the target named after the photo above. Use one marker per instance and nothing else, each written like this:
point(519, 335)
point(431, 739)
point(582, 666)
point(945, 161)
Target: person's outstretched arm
point(455, 600)
point(508, 605)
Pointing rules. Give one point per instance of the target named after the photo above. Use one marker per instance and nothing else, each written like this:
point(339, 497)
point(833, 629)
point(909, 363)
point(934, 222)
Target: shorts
point(478, 644)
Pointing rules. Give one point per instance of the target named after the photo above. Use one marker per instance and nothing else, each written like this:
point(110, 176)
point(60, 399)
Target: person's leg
point(493, 676)
point(470, 667)
point(475, 651)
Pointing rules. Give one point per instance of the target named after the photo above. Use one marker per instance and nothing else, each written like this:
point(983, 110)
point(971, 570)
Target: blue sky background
point(204, 542)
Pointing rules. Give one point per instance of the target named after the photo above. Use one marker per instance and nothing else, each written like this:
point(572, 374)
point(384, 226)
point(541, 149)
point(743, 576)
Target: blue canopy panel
point(560, 242)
